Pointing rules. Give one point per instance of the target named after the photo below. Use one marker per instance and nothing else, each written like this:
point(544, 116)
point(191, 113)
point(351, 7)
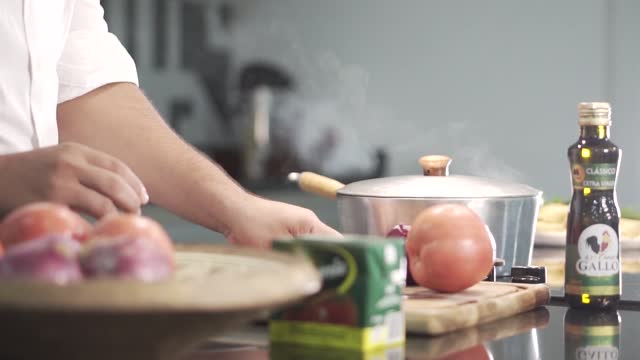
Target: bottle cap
point(594, 114)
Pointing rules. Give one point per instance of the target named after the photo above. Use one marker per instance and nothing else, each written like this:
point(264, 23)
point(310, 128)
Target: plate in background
point(558, 239)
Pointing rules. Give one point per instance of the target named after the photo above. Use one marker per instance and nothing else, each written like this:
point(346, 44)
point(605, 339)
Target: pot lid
point(454, 186)
point(437, 183)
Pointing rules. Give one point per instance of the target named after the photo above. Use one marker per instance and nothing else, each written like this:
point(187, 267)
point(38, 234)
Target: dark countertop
point(537, 334)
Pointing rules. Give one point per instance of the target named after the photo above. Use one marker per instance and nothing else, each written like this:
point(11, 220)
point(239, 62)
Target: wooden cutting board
point(432, 313)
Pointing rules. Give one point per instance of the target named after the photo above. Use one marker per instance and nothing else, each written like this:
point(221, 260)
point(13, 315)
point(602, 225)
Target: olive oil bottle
point(592, 267)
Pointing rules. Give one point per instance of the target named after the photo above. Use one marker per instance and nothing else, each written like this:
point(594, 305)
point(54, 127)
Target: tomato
point(449, 248)
point(136, 226)
point(37, 219)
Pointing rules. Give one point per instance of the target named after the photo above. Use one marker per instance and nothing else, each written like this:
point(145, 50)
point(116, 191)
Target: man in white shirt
point(76, 129)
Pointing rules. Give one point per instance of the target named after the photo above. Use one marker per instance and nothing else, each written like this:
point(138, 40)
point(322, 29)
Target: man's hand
point(257, 222)
point(87, 180)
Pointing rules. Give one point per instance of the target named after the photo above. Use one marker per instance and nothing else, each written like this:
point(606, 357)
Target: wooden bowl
point(215, 289)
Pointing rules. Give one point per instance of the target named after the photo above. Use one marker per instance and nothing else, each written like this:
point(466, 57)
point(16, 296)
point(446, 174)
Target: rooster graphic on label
point(599, 247)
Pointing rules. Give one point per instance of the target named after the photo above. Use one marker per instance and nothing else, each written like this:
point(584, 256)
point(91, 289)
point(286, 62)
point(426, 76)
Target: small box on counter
point(360, 304)
point(281, 351)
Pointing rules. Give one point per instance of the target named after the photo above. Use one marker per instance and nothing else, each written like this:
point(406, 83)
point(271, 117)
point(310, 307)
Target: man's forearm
point(118, 119)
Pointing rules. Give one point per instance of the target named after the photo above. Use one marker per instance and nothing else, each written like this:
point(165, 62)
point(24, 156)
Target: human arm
point(118, 119)
point(101, 106)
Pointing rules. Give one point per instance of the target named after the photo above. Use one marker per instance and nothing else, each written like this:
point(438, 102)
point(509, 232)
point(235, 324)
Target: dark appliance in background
point(244, 109)
point(258, 150)
point(264, 154)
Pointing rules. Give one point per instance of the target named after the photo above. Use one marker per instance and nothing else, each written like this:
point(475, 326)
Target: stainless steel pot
point(375, 206)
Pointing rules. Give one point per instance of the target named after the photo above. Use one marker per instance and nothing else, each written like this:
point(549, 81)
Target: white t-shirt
point(52, 51)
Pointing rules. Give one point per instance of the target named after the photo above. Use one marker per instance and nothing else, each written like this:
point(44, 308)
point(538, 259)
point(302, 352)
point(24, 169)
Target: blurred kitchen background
point(361, 88)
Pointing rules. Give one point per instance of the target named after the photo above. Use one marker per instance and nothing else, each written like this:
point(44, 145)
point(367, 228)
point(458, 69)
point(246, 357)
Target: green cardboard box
point(360, 304)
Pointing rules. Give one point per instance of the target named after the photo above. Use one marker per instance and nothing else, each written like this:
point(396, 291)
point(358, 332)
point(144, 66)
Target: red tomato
point(134, 226)
point(450, 248)
point(37, 219)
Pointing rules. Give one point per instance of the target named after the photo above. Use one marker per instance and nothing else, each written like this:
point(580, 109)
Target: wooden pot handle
point(317, 184)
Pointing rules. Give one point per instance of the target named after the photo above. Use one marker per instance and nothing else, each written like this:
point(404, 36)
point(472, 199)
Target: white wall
point(625, 94)
point(492, 83)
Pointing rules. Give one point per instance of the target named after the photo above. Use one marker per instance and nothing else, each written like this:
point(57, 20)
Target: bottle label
point(592, 342)
point(594, 176)
point(596, 352)
point(594, 263)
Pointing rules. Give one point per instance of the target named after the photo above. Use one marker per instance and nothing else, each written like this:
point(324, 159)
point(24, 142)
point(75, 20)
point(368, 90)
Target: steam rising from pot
point(333, 111)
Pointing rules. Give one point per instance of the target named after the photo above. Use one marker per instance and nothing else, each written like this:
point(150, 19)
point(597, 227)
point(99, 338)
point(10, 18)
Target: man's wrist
point(224, 205)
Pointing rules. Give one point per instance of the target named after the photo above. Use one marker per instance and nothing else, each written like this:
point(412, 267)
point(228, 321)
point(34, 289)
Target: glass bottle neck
point(595, 131)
